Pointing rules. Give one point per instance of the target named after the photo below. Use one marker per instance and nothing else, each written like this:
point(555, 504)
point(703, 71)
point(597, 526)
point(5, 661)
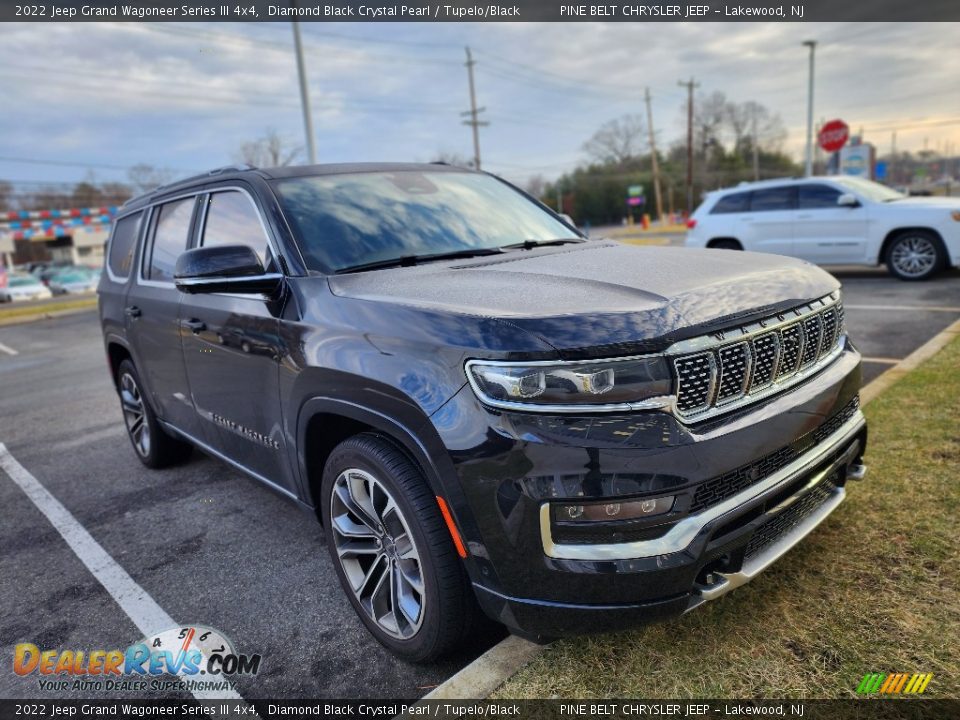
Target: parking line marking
point(8, 350)
point(904, 308)
point(142, 609)
point(881, 361)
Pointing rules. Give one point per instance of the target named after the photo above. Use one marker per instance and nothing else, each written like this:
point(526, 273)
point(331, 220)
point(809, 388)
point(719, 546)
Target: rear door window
point(123, 244)
point(771, 199)
point(170, 234)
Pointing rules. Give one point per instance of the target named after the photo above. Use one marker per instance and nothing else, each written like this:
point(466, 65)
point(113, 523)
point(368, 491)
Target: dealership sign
point(833, 135)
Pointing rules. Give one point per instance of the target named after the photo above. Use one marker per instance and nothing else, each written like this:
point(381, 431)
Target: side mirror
point(848, 200)
point(224, 269)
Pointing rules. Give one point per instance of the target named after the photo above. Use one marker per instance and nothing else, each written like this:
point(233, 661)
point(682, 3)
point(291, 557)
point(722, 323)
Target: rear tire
point(915, 255)
point(153, 445)
point(726, 245)
point(392, 551)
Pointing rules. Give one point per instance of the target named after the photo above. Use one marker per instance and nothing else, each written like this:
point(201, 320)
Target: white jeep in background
point(833, 221)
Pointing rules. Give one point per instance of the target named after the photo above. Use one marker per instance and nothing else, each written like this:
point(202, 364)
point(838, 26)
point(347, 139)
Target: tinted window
point(780, 198)
point(169, 238)
point(737, 202)
point(811, 197)
point(233, 220)
point(346, 220)
point(123, 243)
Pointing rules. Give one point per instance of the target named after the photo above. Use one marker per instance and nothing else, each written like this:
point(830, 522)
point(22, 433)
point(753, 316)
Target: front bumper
point(536, 585)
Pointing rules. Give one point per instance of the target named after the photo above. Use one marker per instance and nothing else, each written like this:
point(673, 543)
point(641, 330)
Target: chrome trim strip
point(687, 529)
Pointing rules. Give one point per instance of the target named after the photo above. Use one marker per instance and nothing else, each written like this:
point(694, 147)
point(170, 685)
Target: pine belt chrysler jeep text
point(485, 409)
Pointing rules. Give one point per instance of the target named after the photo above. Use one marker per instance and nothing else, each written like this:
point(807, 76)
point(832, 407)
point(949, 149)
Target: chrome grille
point(695, 375)
point(812, 335)
point(766, 353)
point(791, 346)
point(734, 371)
point(763, 357)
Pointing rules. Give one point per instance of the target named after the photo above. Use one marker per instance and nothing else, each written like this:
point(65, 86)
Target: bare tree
point(451, 158)
point(709, 117)
point(536, 186)
point(617, 140)
point(144, 178)
point(270, 150)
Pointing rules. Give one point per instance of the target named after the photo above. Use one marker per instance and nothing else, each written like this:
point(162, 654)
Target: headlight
point(606, 385)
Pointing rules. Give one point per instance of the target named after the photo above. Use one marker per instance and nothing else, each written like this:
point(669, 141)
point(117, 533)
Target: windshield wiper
point(530, 244)
point(408, 260)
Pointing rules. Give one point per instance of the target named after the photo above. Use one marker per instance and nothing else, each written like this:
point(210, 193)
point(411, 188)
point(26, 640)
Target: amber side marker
point(454, 533)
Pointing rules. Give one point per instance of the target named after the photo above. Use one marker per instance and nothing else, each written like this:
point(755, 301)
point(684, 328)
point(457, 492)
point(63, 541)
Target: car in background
point(73, 280)
point(833, 221)
point(23, 287)
point(45, 272)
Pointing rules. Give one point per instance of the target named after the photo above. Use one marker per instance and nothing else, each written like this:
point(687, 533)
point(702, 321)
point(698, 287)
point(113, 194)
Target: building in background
point(75, 236)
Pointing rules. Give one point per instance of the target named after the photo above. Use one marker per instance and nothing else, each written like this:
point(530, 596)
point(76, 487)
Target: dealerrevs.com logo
point(202, 657)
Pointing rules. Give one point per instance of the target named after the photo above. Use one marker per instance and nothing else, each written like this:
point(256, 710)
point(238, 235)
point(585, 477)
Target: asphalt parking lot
point(214, 548)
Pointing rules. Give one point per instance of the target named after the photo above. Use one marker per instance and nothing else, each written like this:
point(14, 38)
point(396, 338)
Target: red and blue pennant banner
point(71, 213)
point(48, 233)
point(64, 222)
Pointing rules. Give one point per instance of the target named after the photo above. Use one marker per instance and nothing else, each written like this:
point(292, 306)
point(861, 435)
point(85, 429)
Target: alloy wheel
point(914, 256)
point(378, 553)
point(134, 414)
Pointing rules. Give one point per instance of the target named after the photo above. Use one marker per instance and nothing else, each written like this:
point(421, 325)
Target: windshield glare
point(869, 189)
point(346, 220)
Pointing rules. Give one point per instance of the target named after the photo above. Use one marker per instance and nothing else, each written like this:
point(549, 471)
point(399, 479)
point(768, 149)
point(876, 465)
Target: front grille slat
point(730, 373)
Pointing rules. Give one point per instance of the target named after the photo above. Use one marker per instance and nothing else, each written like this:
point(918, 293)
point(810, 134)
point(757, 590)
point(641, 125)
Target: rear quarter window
point(123, 244)
point(732, 203)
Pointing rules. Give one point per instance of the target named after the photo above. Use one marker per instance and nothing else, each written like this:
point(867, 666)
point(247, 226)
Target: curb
point(505, 659)
point(926, 351)
point(23, 319)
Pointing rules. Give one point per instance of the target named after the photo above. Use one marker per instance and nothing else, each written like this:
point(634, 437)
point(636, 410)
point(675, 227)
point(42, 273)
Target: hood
point(948, 203)
point(602, 297)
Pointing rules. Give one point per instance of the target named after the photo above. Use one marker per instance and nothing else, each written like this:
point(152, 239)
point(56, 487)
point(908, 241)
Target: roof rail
point(216, 171)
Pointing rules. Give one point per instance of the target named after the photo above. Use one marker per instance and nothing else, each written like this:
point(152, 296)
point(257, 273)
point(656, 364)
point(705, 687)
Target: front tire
point(915, 255)
point(153, 445)
point(392, 551)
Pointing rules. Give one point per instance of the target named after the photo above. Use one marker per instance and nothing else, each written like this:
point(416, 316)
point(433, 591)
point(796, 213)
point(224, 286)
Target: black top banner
point(479, 11)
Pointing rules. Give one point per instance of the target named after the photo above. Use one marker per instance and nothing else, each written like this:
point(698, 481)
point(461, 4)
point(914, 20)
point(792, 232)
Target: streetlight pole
point(812, 44)
point(304, 95)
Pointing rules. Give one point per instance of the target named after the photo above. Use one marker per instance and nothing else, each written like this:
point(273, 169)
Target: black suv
point(485, 409)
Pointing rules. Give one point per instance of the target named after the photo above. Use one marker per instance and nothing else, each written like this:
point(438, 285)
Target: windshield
point(20, 281)
point(342, 221)
point(870, 190)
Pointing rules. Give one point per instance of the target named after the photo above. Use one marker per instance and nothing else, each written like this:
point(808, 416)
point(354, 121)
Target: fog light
point(605, 512)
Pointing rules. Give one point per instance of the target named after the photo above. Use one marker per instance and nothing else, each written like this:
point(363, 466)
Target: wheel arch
point(325, 422)
point(895, 232)
point(117, 352)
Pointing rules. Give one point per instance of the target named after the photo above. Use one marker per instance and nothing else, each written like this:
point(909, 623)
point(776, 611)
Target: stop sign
point(833, 135)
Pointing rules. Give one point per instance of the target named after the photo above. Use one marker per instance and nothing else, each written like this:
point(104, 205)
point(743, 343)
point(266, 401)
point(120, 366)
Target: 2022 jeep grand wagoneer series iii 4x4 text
point(484, 409)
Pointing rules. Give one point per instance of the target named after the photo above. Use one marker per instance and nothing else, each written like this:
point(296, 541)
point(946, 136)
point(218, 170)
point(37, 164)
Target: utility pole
point(473, 112)
point(893, 157)
point(653, 157)
point(690, 85)
point(812, 44)
point(755, 143)
point(304, 94)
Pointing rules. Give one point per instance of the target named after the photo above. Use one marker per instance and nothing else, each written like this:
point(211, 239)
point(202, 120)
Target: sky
point(89, 98)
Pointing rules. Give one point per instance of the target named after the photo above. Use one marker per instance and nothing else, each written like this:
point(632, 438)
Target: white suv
point(833, 221)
